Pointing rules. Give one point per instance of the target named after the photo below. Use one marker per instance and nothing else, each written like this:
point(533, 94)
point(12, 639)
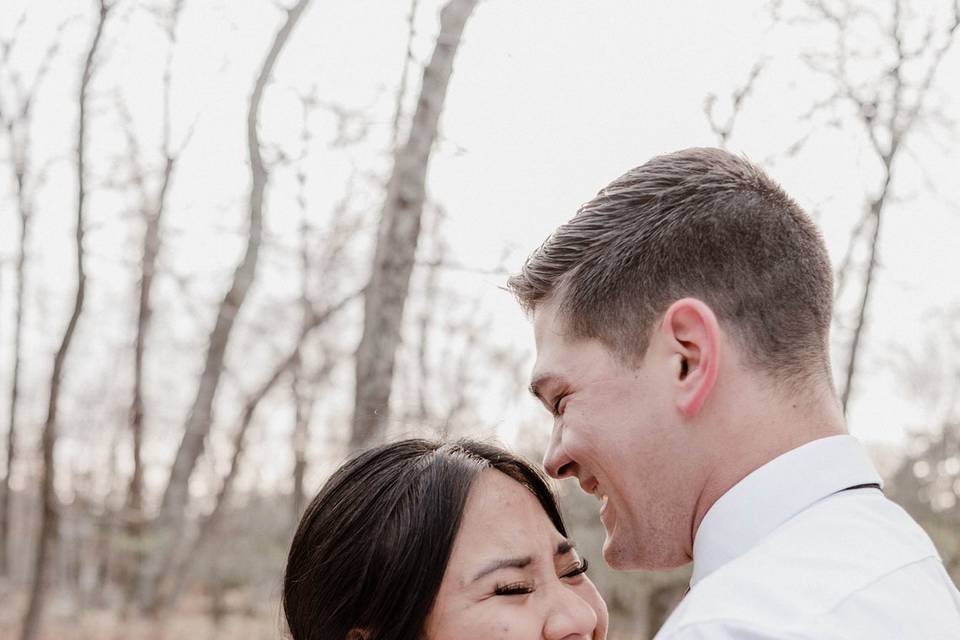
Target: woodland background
point(241, 238)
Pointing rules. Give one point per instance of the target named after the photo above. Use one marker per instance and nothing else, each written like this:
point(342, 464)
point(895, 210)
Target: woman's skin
point(512, 575)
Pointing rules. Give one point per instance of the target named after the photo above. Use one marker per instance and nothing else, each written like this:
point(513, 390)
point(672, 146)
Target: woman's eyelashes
point(523, 588)
point(579, 569)
point(514, 589)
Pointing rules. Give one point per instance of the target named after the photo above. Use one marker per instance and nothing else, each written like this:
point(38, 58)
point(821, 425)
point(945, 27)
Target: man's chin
point(622, 557)
point(615, 555)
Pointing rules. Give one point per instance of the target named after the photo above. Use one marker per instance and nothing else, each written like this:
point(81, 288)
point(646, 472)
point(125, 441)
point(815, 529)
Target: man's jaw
point(608, 518)
point(606, 513)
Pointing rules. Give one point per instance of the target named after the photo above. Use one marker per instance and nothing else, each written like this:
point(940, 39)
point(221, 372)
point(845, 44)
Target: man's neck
point(754, 433)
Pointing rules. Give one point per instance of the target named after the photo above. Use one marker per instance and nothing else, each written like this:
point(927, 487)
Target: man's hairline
point(554, 296)
point(632, 359)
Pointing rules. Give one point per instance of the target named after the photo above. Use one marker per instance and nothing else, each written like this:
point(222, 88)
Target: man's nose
point(556, 462)
point(570, 616)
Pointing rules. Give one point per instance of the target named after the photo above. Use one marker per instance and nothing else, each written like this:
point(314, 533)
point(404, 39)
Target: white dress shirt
point(789, 553)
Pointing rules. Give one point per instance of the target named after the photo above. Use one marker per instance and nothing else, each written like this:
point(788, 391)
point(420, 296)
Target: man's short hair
point(702, 223)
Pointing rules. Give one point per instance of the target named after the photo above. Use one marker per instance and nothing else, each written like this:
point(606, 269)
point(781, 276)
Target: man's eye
point(558, 405)
point(580, 568)
point(514, 589)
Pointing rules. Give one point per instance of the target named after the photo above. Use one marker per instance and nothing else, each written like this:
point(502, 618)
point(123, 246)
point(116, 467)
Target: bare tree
point(427, 313)
point(472, 336)
point(398, 235)
point(27, 181)
point(888, 106)
point(302, 406)
point(303, 402)
point(402, 89)
point(48, 519)
point(303, 388)
point(302, 396)
point(311, 321)
point(152, 207)
point(169, 520)
point(723, 128)
point(208, 525)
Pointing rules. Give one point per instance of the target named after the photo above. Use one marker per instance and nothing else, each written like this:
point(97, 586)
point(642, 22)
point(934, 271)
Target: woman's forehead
point(500, 512)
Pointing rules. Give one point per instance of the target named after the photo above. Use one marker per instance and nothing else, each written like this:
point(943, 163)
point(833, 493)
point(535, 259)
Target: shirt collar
point(774, 493)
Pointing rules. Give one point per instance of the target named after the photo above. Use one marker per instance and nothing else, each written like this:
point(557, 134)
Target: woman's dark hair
point(372, 547)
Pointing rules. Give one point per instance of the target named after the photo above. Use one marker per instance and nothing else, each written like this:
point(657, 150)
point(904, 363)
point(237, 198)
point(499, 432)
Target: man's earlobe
point(694, 332)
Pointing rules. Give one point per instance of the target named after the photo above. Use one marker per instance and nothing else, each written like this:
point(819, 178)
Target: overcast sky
point(548, 103)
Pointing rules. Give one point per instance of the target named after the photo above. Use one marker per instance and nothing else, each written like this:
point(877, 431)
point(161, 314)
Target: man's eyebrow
point(541, 381)
point(503, 563)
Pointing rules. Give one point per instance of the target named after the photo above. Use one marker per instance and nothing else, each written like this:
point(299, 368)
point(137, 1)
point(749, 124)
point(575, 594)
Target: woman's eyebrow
point(565, 547)
point(520, 562)
point(503, 563)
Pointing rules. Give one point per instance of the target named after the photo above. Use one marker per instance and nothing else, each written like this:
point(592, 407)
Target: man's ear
point(693, 334)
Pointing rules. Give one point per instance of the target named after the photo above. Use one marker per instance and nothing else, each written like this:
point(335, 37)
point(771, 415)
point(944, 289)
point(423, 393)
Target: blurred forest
point(204, 310)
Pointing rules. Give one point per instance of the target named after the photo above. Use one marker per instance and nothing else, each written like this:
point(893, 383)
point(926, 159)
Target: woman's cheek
point(592, 596)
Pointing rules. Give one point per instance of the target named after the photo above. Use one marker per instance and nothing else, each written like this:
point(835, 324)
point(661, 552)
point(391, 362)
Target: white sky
point(548, 103)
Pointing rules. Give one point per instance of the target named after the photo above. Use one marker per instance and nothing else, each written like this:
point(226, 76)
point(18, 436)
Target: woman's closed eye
point(514, 589)
point(577, 570)
point(522, 588)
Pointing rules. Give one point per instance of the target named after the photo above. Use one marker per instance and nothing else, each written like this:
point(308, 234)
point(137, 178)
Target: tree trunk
point(302, 409)
point(48, 518)
point(6, 490)
point(306, 400)
point(168, 526)
point(399, 232)
point(19, 128)
point(876, 211)
point(402, 90)
point(239, 439)
point(298, 439)
point(153, 216)
point(209, 524)
point(887, 125)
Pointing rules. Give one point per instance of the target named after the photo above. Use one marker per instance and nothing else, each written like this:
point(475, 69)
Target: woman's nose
point(569, 616)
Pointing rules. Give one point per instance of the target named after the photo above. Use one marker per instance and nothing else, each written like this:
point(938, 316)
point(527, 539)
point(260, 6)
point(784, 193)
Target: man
point(681, 322)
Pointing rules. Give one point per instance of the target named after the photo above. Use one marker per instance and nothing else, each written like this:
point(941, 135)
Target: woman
point(420, 540)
